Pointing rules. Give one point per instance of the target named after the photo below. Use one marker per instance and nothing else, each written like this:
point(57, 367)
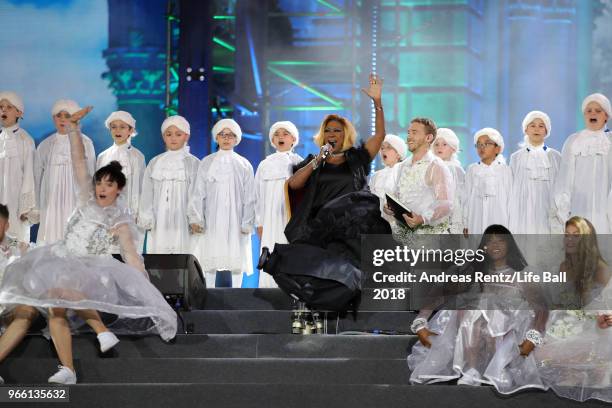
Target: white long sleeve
point(488, 189)
point(585, 178)
point(534, 172)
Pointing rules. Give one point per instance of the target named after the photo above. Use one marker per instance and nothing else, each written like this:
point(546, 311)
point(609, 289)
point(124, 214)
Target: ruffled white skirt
point(480, 344)
point(50, 276)
point(575, 360)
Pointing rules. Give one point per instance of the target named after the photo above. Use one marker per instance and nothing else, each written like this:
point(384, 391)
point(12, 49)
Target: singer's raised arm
point(374, 91)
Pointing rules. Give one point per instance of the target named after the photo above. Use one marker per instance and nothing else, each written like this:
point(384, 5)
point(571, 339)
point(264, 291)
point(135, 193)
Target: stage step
point(301, 396)
point(214, 370)
point(276, 299)
point(279, 321)
point(366, 347)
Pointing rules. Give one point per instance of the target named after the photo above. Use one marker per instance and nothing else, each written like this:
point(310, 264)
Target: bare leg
point(93, 319)
point(61, 335)
point(17, 329)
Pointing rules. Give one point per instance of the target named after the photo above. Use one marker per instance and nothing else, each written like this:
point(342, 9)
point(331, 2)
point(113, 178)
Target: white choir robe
point(223, 203)
point(534, 172)
point(133, 163)
point(270, 210)
point(487, 195)
point(584, 182)
point(56, 186)
point(458, 176)
point(383, 182)
point(17, 192)
point(166, 184)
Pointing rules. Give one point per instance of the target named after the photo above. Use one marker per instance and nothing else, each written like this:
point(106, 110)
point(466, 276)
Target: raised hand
point(374, 91)
point(77, 116)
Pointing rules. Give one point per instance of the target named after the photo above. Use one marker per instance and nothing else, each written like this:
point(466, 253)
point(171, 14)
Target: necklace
point(337, 154)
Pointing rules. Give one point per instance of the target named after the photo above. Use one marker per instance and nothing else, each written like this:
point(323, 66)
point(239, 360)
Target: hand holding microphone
point(326, 150)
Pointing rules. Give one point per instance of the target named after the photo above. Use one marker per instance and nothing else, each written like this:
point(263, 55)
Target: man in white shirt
point(423, 185)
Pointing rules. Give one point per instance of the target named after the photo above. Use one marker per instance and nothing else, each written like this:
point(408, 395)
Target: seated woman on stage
point(337, 207)
point(79, 273)
point(575, 359)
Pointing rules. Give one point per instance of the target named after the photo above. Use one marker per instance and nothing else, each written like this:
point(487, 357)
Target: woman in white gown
point(79, 273)
point(575, 360)
point(491, 339)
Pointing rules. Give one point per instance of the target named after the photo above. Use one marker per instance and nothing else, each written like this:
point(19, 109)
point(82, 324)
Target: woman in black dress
point(337, 208)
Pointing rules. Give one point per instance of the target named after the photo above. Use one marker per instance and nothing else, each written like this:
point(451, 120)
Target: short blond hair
point(350, 134)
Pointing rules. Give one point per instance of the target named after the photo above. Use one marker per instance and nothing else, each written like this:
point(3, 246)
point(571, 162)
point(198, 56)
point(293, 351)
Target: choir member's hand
point(195, 229)
point(77, 116)
point(465, 232)
point(526, 347)
point(604, 321)
point(413, 221)
point(387, 210)
point(374, 91)
point(423, 336)
point(259, 232)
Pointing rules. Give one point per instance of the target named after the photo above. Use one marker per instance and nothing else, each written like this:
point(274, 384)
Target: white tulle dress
point(575, 360)
point(480, 344)
point(79, 271)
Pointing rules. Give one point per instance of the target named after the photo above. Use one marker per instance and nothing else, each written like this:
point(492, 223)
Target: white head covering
point(493, 134)
point(13, 98)
point(450, 138)
point(289, 127)
point(601, 100)
point(122, 116)
point(398, 144)
point(533, 115)
point(230, 124)
point(178, 121)
point(67, 105)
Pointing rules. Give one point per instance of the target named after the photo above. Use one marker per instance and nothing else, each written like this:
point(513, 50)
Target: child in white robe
point(165, 192)
point(16, 167)
point(446, 146)
point(488, 184)
point(534, 170)
point(56, 187)
point(271, 215)
point(392, 151)
point(122, 128)
point(585, 176)
point(222, 206)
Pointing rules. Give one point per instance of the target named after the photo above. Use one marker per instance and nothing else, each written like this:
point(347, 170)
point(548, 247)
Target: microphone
point(327, 149)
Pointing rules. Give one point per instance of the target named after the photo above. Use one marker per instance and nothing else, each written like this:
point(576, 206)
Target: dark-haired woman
point(79, 273)
point(491, 340)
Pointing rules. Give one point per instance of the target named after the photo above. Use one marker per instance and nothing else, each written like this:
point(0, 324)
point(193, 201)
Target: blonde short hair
point(350, 134)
